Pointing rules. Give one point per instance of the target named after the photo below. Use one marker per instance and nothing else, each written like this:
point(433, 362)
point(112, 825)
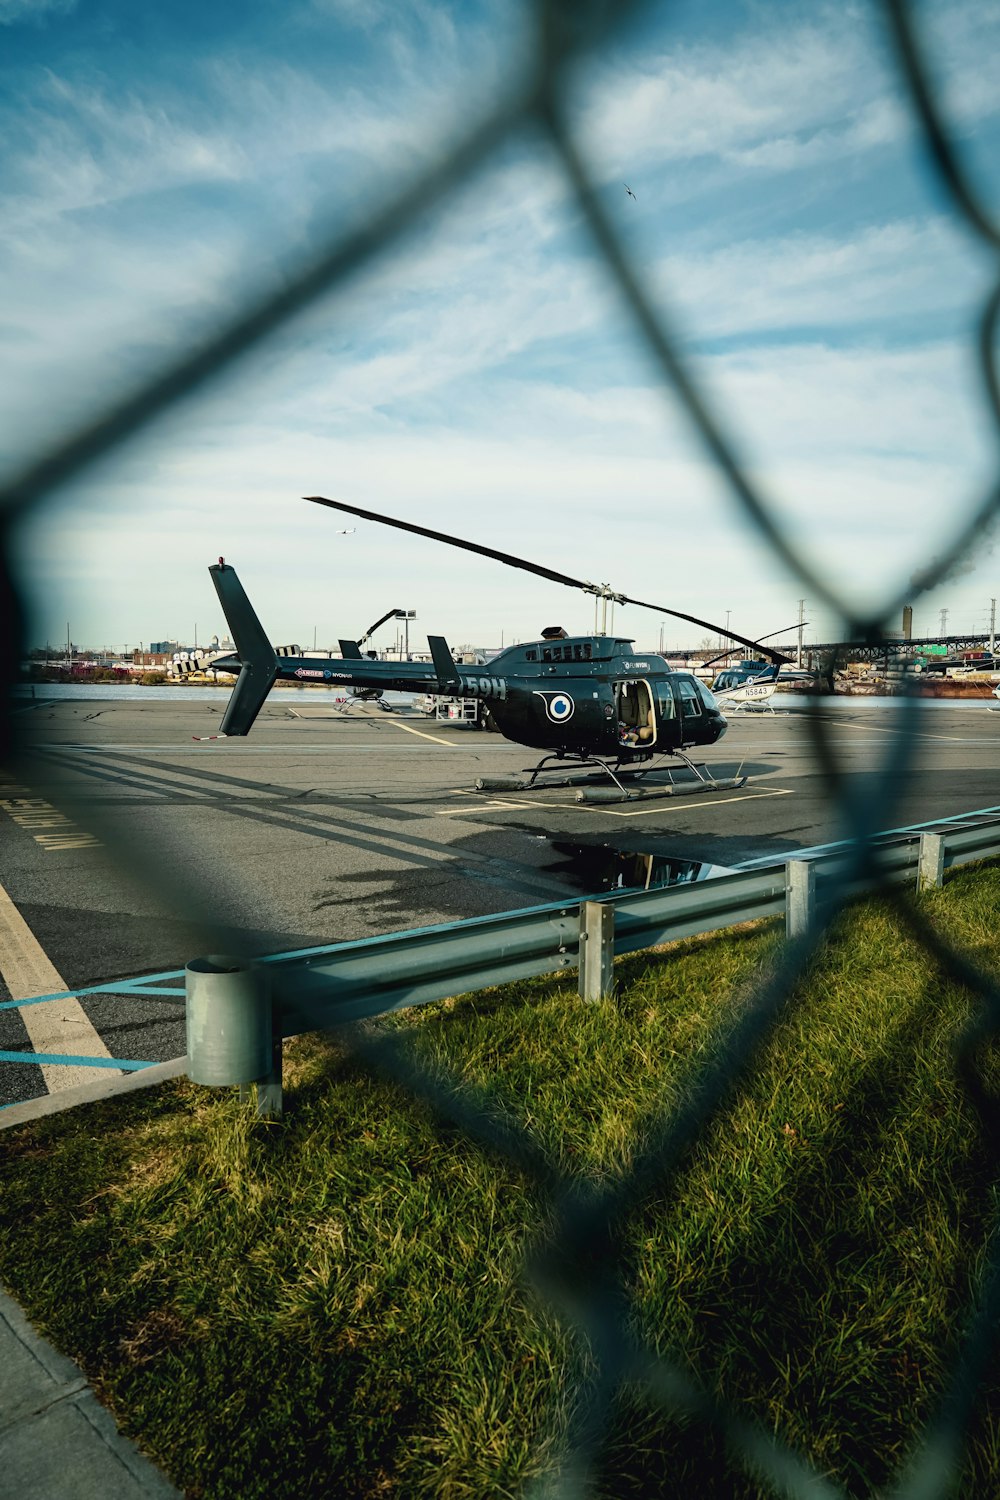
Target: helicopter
point(592, 703)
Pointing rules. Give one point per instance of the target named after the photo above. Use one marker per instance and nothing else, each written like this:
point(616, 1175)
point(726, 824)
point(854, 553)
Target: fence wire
point(581, 1269)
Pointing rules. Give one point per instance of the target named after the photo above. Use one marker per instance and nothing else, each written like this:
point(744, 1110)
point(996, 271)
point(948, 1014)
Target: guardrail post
point(930, 861)
point(267, 1089)
point(230, 1038)
point(800, 896)
point(597, 950)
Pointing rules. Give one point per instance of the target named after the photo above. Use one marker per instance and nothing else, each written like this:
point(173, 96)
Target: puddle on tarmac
point(598, 867)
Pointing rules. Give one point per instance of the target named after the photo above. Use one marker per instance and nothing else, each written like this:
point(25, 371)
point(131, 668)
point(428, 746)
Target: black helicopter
point(590, 702)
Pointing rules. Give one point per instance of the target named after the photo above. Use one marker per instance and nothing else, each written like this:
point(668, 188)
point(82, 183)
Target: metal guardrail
point(238, 1013)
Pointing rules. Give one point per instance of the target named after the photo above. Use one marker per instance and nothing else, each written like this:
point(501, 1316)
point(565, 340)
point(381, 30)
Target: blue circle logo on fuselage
point(558, 706)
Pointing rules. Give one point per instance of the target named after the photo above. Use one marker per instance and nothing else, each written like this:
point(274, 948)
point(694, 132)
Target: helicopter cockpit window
point(691, 703)
point(665, 701)
point(546, 653)
point(531, 656)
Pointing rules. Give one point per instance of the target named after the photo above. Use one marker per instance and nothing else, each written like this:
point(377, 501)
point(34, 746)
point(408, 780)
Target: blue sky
point(483, 376)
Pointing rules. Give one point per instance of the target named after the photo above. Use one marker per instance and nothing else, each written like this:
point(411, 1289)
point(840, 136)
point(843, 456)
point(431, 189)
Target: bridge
point(815, 654)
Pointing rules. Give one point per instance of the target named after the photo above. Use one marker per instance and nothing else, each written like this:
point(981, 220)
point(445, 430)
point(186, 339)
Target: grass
point(336, 1304)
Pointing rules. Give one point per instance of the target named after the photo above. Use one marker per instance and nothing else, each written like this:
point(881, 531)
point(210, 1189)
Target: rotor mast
point(605, 593)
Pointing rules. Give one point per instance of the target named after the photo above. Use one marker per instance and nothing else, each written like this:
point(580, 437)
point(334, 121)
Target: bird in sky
point(630, 192)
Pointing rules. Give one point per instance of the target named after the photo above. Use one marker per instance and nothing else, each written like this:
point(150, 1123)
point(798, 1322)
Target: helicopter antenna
point(601, 590)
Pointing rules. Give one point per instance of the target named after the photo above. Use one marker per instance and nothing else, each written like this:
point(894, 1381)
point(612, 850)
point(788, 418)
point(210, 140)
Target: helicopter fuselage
point(579, 696)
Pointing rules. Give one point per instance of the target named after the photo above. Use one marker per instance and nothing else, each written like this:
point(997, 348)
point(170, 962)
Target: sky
point(482, 375)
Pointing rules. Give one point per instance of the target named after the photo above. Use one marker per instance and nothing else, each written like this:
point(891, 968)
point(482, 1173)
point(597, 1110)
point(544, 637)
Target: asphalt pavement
point(130, 845)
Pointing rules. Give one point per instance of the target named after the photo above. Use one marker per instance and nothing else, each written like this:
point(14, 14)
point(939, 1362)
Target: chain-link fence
point(581, 1269)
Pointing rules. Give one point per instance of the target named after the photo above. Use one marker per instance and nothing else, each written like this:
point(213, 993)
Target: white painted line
point(57, 1026)
point(917, 734)
point(238, 747)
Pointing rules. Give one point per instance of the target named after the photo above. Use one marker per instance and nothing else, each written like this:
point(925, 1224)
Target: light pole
point(406, 615)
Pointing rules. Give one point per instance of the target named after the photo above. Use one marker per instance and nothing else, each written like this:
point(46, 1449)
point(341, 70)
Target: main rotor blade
point(730, 635)
point(769, 637)
point(451, 541)
point(536, 568)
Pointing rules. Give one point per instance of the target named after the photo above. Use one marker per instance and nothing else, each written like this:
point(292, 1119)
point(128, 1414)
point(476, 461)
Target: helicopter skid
point(639, 793)
point(623, 778)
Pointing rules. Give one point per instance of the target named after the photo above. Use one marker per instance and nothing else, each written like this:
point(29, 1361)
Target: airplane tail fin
point(258, 661)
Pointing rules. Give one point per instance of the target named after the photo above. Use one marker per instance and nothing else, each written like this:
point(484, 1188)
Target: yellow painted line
point(483, 801)
point(781, 791)
point(450, 744)
point(58, 1025)
point(605, 809)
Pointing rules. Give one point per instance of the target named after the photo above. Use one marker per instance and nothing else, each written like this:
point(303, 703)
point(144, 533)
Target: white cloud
point(903, 271)
point(864, 457)
point(12, 11)
point(761, 87)
point(780, 96)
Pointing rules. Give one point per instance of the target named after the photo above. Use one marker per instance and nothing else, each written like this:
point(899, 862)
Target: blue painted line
point(70, 1062)
point(140, 986)
point(176, 993)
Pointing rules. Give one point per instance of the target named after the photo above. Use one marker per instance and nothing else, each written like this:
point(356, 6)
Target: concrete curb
point(56, 1440)
point(91, 1093)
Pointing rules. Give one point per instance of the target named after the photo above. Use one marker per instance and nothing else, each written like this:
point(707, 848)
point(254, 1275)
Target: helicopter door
point(635, 712)
point(690, 707)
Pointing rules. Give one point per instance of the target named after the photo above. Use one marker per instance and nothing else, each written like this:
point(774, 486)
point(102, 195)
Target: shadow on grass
point(818, 1318)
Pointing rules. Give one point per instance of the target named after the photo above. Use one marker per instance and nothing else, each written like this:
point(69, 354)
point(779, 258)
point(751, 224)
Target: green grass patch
point(335, 1304)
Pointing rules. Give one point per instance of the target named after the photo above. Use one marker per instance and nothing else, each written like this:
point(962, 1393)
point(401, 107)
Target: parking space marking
point(919, 734)
point(238, 746)
point(603, 808)
point(423, 734)
point(60, 1027)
